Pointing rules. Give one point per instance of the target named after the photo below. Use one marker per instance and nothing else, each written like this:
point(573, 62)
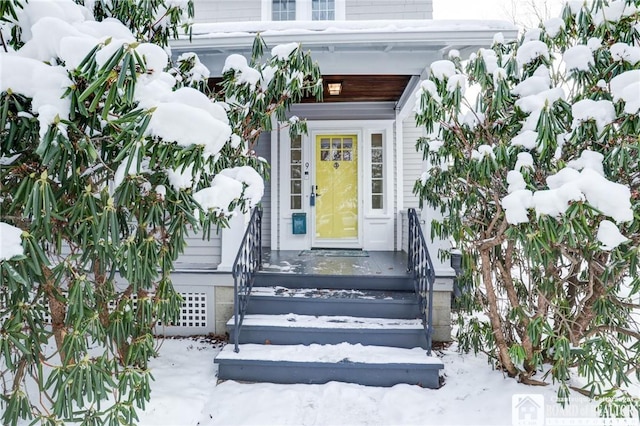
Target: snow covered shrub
point(109, 156)
point(538, 179)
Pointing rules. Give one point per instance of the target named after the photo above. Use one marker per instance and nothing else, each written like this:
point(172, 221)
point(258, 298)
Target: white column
point(231, 238)
point(428, 214)
point(442, 268)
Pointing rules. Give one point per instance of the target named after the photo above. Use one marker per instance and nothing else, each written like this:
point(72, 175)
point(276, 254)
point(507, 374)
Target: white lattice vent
point(194, 310)
point(192, 314)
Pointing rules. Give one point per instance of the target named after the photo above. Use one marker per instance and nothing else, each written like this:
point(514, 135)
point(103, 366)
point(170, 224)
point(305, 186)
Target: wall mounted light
point(334, 88)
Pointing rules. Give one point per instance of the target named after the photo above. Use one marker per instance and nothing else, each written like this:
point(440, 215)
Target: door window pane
point(376, 202)
point(296, 142)
point(296, 202)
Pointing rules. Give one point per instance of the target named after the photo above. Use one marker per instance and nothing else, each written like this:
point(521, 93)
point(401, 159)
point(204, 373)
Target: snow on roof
point(369, 26)
point(364, 31)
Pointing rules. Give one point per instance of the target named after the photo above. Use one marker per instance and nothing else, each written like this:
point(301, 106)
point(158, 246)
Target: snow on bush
point(531, 51)
point(578, 58)
point(443, 69)
point(186, 126)
point(10, 241)
point(283, 51)
point(546, 213)
point(111, 155)
point(244, 73)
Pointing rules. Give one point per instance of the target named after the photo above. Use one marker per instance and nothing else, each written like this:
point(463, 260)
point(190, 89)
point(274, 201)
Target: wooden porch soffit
point(357, 88)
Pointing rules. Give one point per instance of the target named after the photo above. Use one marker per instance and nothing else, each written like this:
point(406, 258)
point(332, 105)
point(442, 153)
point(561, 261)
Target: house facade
point(349, 181)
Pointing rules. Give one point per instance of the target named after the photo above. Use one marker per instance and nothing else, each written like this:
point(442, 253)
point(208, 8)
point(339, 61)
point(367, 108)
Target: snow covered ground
point(185, 393)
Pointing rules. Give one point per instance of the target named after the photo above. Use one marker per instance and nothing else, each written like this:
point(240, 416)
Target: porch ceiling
point(365, 88)
point(357, 88)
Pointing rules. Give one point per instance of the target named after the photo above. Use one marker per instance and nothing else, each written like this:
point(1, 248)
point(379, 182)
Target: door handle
point(313, 195)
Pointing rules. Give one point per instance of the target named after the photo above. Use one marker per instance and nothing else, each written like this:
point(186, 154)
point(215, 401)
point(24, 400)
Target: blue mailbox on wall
point(299, 221)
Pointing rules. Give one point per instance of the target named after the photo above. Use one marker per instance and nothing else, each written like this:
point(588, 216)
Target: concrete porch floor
point(335, 262)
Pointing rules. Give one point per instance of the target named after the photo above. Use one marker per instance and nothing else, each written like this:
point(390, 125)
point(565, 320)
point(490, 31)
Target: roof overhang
point(398, 47)
point(349, 47)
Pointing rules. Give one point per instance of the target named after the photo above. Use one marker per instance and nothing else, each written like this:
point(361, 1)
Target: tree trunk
point(523, 324)
point(58, 311)
point(102, 296)
point(494, 315)
point(580, 326)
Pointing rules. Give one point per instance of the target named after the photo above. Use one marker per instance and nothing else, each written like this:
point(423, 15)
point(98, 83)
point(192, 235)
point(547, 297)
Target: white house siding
point(200, 253)
point(263, 149)
point(227, 11)
point(251, 10)
point(412, 160)
point(384, 9)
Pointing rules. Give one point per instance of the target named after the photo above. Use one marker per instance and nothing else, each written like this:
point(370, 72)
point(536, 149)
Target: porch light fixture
point(334, 88)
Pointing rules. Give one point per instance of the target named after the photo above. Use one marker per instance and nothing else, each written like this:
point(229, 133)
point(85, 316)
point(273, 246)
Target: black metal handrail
point(419, 264)
point(248, 262)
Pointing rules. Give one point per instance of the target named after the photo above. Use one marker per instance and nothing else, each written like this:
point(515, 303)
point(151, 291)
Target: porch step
point(291, 329)
point(342, 282)
point(316, 364)
point(316, 328)
point(314, 301)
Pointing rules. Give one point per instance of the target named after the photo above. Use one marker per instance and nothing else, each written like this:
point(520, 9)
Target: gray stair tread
point(338, 353)
point(354, 282)
point(316, 293)
point(328, 322)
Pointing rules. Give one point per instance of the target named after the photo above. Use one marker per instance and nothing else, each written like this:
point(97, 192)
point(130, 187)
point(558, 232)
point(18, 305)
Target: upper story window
point(303, 10)
point(323, 10)
point(283, 10)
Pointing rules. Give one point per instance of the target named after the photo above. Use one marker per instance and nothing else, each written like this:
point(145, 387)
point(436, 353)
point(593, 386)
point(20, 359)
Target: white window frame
point(303, 10)
point(270, 17)
point(368, 173)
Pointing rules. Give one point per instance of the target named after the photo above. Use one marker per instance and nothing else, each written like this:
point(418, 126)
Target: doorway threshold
point(335, 253)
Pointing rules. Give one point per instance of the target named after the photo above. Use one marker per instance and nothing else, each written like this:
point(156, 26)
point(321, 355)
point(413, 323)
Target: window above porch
point(303, 10)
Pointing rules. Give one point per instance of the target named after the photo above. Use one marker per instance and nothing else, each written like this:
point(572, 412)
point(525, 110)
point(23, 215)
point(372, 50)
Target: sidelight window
point(377, 172)
point(296, 173)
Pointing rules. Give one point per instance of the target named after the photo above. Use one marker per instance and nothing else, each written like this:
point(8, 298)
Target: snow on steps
point(305, 329)
point(316, 364)
point(332, 321)
point(355, 282)
point(356, 329)
point(314, 301)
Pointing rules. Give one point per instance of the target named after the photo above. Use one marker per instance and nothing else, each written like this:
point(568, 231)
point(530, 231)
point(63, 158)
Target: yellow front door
point(337, 187)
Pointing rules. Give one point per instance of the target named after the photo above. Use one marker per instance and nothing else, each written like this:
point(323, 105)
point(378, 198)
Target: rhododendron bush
point(533, 160)
point(110, 154)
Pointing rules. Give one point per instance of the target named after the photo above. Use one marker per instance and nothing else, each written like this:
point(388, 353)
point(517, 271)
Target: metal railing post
point(419, 264)
point(248, 261)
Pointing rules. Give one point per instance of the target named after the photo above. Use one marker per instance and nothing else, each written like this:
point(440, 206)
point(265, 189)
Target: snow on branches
point(541, 190)
point(111, 155)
